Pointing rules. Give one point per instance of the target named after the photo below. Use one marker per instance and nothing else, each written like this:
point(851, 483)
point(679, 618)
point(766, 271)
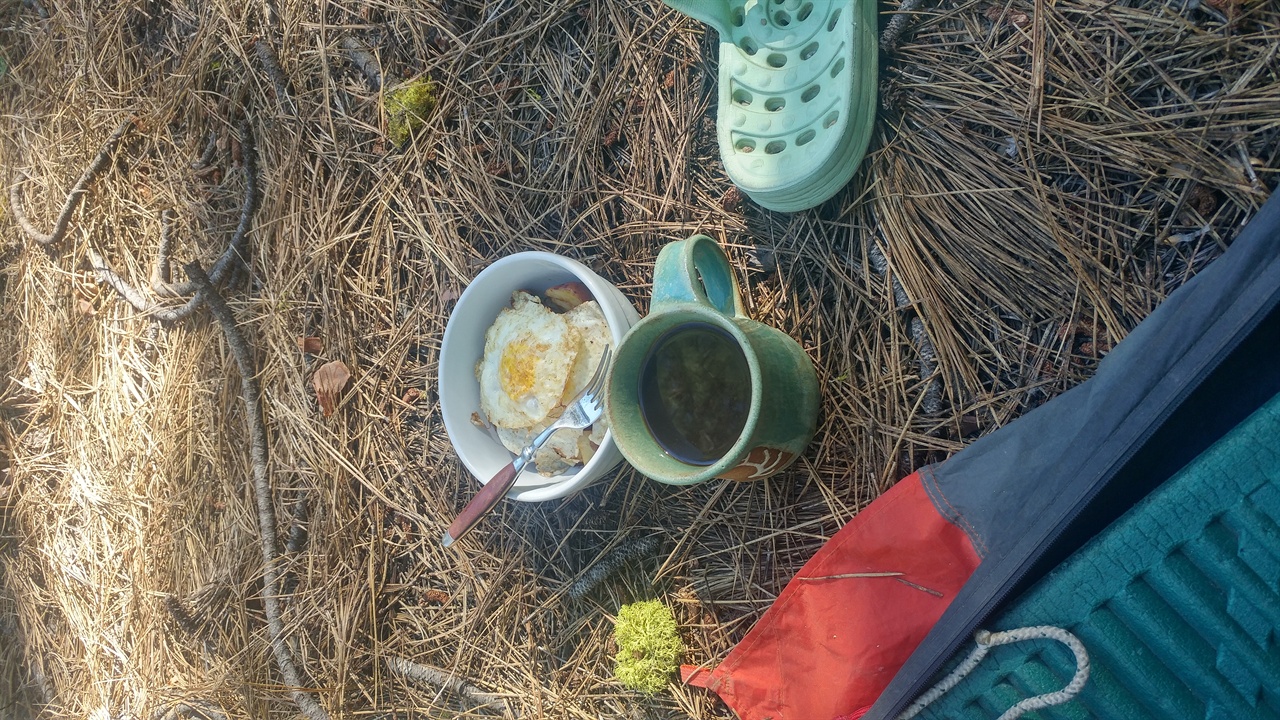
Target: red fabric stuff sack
point(851, 617)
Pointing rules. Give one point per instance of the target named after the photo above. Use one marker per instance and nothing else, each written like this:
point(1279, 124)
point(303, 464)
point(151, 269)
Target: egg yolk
point(516, 368)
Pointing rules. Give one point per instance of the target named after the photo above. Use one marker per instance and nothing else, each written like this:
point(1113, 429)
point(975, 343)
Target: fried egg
point(568, 447)
point(529, 352)
point(560, 452)
point(593, 337)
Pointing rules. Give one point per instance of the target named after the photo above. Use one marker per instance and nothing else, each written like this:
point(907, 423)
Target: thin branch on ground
point(897, 24)
point(129, 294)
point(271, 63)
point(223, 268)
point(251, 394)
point(442, 679)
point(191, 710)
point(364, 61)
point(235, 252)
point(73, 198)
point(611, 561)
point(35, 5)
point(161, 272)
point(851, 576)
point(206, 157)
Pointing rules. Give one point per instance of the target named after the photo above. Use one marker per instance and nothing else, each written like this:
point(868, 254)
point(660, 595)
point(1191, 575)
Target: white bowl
point(463, 347)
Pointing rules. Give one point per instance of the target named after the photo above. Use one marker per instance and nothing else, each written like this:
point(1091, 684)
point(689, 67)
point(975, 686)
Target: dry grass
point(1040, 179)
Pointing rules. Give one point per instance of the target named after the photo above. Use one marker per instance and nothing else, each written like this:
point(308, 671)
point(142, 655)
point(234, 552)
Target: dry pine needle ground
point(1043, 174)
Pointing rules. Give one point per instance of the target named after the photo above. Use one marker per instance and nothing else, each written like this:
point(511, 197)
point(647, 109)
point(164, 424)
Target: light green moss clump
point(649, 646)
point(407, 109)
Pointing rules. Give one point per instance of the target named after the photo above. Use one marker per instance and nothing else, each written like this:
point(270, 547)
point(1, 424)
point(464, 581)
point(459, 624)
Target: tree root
point(73, 198)
point(251, 393)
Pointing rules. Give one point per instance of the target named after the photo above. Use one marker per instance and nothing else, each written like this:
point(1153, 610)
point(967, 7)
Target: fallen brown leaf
point(329, 381)
point(311, 345)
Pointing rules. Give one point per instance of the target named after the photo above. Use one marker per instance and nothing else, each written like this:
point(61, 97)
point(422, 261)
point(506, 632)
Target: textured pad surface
point(1178, 602)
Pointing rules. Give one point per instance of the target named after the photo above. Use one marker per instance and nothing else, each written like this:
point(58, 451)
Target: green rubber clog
point(797, 94)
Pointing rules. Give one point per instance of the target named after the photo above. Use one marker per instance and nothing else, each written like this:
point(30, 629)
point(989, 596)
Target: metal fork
point(584, 410)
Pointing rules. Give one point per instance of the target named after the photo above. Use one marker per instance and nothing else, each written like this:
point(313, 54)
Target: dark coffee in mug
point(695, 392)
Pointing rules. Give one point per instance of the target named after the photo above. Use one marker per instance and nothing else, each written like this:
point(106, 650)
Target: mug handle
point(696, 271)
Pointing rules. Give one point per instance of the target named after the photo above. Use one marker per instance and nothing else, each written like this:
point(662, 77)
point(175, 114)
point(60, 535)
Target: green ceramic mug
point(698, 390)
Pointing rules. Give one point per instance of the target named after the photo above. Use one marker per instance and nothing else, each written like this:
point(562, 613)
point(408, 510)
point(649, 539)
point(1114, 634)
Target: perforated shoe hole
point(739, 17)
point(745, 145)
point(837, 67)
point(831, 119)
point(805, 11)
point(774, 104)
point(776, 60)
point(809, 51)
point(835, 18)
point(783, 19)
point(810, 93)
point(775, 147)
point(749, 46)
point(805, 137)
point(742, 97)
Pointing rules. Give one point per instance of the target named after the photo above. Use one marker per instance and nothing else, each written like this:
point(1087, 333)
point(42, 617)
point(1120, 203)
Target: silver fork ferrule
point(524, 458)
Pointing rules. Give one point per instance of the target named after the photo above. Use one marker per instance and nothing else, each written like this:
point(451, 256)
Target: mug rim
point(691, 312)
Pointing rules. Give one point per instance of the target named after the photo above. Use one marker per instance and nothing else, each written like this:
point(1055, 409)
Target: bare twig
point(612, 560)
point(921, 588)
point(129, 294)
point(230, 259)
point(206, 157)
point(364, 61)
point(271, 63)
point(35, 5)
point(191, 710)
point(251, 394)
point(161, 271)
point(893, 31)
point(73, 198)
point(235, 252)
point(442, 679)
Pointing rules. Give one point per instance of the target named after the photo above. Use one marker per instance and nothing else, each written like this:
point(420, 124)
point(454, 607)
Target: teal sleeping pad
point(1177, 603)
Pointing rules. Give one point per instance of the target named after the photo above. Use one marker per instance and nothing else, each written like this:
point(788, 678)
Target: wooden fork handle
point(482, 503)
